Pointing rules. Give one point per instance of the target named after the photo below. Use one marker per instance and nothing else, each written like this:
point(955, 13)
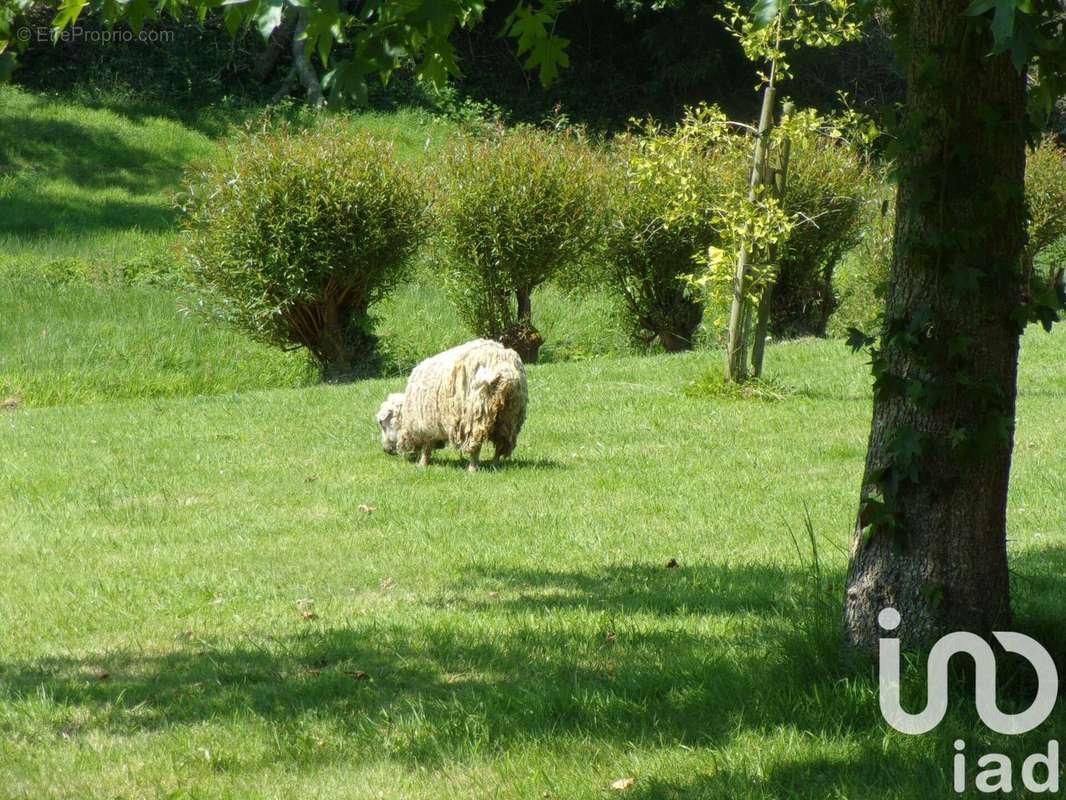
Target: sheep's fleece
point(473, 393)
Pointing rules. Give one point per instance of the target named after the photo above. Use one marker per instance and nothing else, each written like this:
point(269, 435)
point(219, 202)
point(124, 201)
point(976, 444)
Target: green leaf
point(269, 16)
point(232, 18)
point(67, 14)
point(548, 55)
point(764, 12)
point(857, 340)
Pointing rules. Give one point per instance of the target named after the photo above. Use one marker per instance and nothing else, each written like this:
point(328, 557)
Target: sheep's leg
point(472, 466)
point(423, 460)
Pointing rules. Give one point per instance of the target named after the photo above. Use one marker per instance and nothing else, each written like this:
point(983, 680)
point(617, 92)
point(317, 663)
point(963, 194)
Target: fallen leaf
point(217, 600)
point(310, 479)
point(10, 404)
point(101, 674)
point(611, 636)
point(622, 784)
point(367, 509)
point(309, 615)
point(358, 674)
point(494, 595)
point(672, 564)
point(306, 606)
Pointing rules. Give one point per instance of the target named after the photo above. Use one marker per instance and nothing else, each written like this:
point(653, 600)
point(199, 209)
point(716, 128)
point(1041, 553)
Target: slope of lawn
point(241, 596)
point(88, 309)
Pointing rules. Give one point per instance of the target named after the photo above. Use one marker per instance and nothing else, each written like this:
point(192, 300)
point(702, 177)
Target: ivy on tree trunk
point(930, 540)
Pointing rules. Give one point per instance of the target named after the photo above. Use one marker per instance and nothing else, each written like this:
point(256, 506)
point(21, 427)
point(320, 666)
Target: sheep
point(463, 396)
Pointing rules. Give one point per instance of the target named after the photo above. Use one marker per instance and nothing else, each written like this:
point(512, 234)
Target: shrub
point(798, 240)
point(515, 208)
point(860, 280)
point(866, 270)
point(1045, 193)
point(826, 186)
point(294, 234)
point(651, 241)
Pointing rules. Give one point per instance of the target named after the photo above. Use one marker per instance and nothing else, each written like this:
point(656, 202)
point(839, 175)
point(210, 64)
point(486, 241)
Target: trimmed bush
point(826, 185)
point(1045, 193)
point(515, 208)
point(648, 248)
point(865, 271)
point(294, 234)
point(860, 280)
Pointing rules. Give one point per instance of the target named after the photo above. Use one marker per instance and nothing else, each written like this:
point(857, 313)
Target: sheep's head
point(388, 418)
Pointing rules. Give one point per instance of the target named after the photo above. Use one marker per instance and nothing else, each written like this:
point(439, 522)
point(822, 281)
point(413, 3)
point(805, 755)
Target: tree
point(373, 37)
point(930, 538)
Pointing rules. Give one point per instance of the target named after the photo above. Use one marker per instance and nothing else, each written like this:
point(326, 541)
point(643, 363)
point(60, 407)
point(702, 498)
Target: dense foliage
point(663, 192)
point(827, 184)
point(1045, 195)
point(293, 235)
point(859, 285)
point(515, 207)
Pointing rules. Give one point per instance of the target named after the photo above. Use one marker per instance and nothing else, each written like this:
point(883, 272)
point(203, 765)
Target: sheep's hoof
point(471, 467)
point(423, 460)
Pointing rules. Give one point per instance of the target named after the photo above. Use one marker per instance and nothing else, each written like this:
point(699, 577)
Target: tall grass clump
point(293, 234)
point(515, 208)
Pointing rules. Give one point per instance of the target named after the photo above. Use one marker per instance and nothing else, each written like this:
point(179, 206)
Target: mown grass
point(241, 596)
point(89, 230)
point(216, 585)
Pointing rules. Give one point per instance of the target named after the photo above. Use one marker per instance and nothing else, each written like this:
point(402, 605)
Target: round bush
point(827, 183)
point(865, 271)
point(1045, 194)
point(292, 235)
point(650, 240)
point(514, 209)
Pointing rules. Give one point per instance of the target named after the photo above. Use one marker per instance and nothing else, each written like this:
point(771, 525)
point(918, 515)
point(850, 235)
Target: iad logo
point(999, 776)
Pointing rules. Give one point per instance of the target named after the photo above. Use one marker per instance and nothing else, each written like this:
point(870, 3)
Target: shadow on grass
point(91, 158)
point(513, 657)
point(681, 590)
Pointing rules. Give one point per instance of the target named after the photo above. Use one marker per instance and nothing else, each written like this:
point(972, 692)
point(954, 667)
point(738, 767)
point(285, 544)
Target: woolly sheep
point(467, 395)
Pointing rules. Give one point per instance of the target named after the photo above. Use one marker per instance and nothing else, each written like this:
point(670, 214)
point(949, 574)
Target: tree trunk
point(276, 46)
point(521, 336)
point(680, 323)
point(736, 359)
point(766, 301)
point(524, 302)
point(955, 281)
point(302, 64)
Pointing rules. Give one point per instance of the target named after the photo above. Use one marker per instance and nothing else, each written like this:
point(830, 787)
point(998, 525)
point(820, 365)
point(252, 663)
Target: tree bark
point(304, 69)
point(521, 336)
point(276, 45)
point(960, 216)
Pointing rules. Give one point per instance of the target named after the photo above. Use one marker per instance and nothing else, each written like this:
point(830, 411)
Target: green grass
point(84, 183)
point(87, 344)
point(518, 630)
point(216, 585)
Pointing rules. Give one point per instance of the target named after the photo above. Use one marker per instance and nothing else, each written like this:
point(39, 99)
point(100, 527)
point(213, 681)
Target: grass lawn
point(198, 602)
point(215, 585)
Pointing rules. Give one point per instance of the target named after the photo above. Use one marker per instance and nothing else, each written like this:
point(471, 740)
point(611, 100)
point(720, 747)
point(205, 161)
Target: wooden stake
point(762, 323)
